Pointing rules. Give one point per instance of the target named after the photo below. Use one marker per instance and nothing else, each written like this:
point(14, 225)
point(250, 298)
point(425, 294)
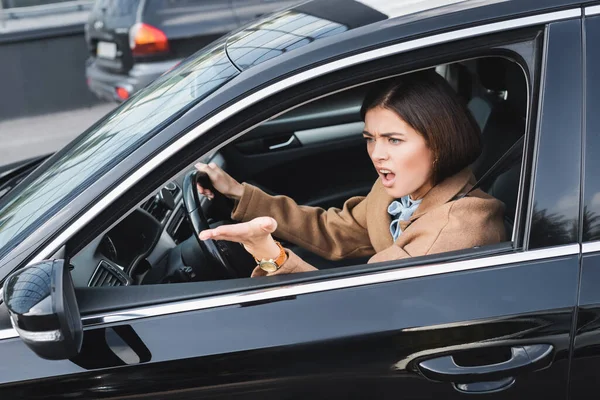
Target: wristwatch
point(272, 265)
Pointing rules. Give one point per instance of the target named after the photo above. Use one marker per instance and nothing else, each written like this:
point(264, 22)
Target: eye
point(394, 141)
point(368, 139)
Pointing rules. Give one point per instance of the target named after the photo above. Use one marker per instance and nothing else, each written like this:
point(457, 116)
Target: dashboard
point(136, 250)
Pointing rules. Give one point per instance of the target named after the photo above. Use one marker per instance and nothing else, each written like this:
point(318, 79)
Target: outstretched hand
point(254, 235)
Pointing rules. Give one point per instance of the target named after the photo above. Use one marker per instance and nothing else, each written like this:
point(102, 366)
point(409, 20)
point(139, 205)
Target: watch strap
point(278, 261)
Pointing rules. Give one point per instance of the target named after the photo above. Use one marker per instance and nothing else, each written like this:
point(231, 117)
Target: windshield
point(101, 147)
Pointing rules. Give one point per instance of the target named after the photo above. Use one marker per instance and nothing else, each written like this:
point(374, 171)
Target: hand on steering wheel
point(218, 252)
point(221, 181)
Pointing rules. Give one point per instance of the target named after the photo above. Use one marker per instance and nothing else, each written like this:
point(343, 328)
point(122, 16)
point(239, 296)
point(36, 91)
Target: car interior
point(314, 153)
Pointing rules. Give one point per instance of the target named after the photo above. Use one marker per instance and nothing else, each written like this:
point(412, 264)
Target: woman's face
point(399, 153)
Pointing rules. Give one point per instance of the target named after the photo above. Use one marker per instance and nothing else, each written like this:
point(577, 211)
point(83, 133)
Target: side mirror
point(43, 310)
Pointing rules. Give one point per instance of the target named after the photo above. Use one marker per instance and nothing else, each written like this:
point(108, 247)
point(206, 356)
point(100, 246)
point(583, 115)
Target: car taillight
point(122, 93)
point(146, 39)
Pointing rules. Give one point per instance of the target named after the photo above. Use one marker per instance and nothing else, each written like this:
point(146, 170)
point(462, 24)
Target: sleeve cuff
point(241, 206)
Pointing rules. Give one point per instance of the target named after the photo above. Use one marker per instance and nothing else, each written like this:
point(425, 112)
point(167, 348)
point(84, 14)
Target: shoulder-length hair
point(426, 102)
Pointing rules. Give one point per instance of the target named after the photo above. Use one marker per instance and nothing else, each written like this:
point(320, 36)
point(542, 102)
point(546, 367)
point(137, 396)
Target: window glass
point(289, 30)
point(114, 138)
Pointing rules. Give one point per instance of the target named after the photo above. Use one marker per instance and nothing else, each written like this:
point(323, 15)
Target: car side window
point(326, 135)
point(285, 155)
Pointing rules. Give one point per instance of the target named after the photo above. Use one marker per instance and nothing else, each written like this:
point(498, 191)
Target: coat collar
point(440, 194)
point(445, 191)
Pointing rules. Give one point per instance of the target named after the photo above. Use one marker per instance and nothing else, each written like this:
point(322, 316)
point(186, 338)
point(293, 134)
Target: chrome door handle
point(284, 144)
point(530, 357)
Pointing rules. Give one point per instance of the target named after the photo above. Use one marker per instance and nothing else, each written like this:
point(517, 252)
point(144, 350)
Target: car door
point(584, 370)
point(488, 323)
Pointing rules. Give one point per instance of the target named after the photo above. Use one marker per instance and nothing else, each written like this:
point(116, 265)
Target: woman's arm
point(333, 234)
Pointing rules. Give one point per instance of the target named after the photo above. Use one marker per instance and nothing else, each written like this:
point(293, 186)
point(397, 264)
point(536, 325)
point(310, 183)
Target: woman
point(421, 140)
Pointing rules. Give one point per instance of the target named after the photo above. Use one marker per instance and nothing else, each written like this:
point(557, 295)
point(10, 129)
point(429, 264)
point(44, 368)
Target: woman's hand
point(254, 235)
point(222, 182)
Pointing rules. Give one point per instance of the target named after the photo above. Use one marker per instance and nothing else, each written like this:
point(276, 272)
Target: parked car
point(133, 42)
point(108, 293)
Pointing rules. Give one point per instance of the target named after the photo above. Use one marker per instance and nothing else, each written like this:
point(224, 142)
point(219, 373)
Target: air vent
point(108, 275)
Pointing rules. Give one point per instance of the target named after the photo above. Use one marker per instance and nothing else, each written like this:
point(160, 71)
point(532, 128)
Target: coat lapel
point(379, 220)
point(445, 191)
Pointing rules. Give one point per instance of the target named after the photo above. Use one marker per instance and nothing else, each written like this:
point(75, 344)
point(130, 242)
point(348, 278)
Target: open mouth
point(387, 177)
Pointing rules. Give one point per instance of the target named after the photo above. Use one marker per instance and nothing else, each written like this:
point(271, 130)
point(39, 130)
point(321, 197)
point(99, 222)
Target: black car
point(133, 42)
point(108, 293)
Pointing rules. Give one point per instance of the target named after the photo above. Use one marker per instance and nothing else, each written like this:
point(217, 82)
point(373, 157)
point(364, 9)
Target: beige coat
point(361, 227)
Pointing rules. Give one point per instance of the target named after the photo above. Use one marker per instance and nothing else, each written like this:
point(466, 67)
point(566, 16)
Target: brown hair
point(426, 102)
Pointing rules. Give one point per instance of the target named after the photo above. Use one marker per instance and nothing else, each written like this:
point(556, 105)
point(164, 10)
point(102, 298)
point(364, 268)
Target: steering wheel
point(213, 250)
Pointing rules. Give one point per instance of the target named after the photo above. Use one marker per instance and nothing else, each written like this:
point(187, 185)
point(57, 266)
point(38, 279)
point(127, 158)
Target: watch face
point(268, 266)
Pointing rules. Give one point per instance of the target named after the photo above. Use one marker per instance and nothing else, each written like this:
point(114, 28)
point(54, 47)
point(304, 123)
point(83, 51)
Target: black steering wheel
point(213, 250)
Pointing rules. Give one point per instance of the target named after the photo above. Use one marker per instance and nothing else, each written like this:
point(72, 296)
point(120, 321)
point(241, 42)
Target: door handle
point(284, 144)
point(523, 358)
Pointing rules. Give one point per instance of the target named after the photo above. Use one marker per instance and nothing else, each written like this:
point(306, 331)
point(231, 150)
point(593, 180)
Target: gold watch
point(272, 265)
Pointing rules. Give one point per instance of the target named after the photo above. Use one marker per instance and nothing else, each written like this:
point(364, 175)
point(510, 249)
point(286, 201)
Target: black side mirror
point(43, 310)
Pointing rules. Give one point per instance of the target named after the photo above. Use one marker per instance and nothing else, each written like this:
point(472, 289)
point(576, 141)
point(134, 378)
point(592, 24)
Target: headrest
point(499, 74)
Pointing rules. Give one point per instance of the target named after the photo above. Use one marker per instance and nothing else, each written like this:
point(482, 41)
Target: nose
point(379, 152)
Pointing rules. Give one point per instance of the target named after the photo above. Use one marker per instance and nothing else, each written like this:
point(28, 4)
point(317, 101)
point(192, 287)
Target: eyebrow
point(384, 134)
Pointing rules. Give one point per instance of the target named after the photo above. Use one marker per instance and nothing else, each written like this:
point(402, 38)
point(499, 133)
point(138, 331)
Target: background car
point(148, 310)
point(132, 42)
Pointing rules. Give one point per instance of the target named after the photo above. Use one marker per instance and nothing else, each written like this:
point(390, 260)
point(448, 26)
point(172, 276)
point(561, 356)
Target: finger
point(206, 169)
point(213, 234)
point(206, 234)
point(205, 192)
point(215, 174)
point(243, 232)
point(200, 166)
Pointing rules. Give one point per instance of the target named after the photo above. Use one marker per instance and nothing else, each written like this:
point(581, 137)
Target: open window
point(306, 143)
point(316, 155)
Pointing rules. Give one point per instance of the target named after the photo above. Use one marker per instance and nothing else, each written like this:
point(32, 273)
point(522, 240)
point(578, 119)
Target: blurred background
point(66, 63)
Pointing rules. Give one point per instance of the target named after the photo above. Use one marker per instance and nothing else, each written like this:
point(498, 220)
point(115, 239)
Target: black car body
point(513, 320)
point(133, 42)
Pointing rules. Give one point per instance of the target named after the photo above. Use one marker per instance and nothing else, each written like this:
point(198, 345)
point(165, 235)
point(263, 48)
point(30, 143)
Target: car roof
point(316, 23)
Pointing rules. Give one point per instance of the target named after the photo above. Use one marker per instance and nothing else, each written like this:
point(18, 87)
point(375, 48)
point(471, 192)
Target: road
point(29, 137)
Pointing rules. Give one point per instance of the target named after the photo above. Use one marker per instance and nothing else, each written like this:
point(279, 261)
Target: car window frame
point(279, 86)
point(398, 272)
point(520, 219)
